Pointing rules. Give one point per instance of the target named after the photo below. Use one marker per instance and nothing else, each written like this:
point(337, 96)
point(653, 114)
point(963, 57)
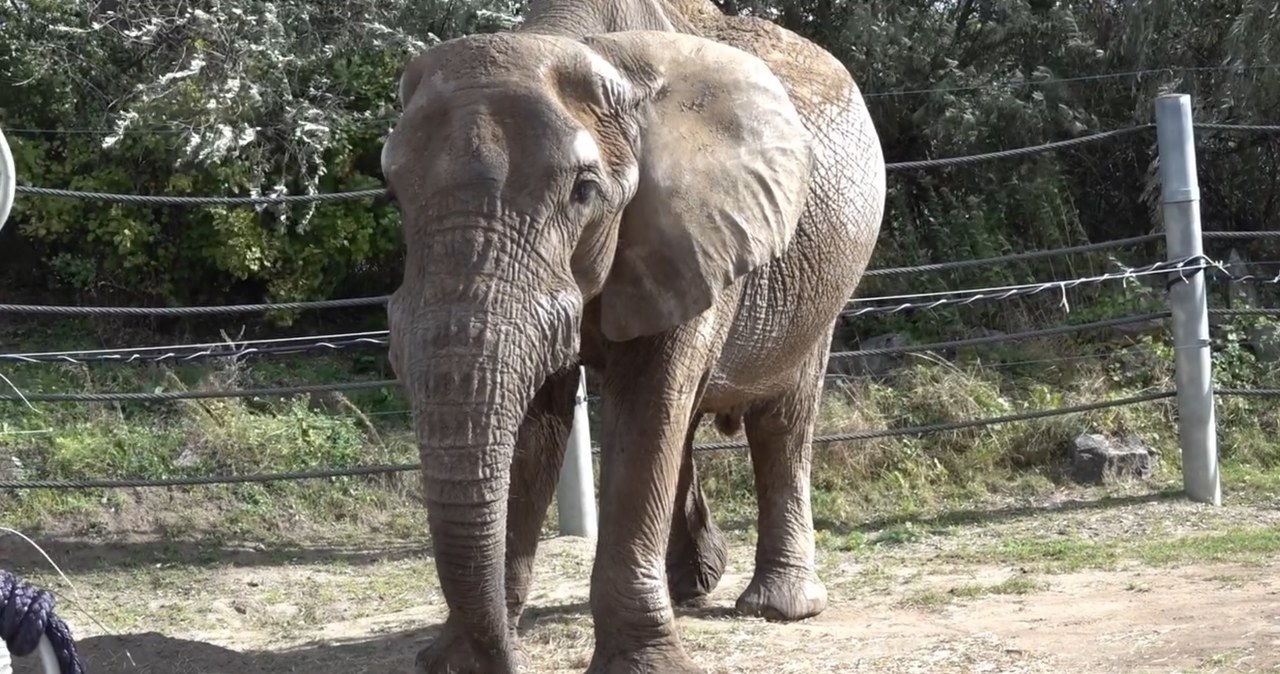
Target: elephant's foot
point(694, 568)
point(453, 652)
point(650, 660)
point(783, 596)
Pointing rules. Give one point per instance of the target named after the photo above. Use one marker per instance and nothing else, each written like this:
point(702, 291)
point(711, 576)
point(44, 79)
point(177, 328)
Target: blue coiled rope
point(26, 614)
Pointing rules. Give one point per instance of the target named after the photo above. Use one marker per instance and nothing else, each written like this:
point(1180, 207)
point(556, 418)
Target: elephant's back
point(816, 80)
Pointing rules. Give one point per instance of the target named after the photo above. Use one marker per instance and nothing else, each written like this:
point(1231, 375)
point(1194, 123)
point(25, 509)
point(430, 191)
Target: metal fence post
point(8, 179)
point(1180, 198)
point(575, 497)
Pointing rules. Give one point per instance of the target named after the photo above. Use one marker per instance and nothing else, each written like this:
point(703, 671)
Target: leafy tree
point(247, 97)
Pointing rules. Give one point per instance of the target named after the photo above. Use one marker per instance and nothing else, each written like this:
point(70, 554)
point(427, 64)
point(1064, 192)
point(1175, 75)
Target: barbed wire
point(165, 396)
point(1189, 264)
point(380, 338)
point(996, 339)
point(174, 353)
point(1016, 257)
point(353, 302)
point(997, 365)
point(1249, 278)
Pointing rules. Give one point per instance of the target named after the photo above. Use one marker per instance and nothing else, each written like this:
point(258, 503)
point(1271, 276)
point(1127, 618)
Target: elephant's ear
point(724, 169)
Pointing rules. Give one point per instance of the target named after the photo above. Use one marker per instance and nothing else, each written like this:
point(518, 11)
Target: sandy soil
point(335, 611)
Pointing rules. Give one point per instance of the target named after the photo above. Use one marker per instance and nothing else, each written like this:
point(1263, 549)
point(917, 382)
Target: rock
point(190, 457)
point(1096, 458)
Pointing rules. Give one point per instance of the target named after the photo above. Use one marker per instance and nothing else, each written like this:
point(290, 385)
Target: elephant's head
point(535, 173)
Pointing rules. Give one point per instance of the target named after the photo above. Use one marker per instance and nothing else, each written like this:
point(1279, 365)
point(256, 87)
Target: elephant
point(680, 201)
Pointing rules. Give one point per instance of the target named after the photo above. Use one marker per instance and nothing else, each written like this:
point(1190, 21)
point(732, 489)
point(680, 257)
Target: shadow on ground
point(390, 653)
point(80, 555)
point(152, 653)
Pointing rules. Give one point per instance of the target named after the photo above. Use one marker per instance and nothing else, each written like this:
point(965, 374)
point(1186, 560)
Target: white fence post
point(8, 179)
point(1180, 197)
point(576, 497)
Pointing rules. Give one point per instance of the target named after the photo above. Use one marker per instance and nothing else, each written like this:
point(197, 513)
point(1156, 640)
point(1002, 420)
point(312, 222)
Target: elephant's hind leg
point(535, 472)
point(785, 585)
point(696, 550)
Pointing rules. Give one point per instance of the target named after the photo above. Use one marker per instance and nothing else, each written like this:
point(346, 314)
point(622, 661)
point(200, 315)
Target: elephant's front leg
point(649, 391)
point(785, 585)
point(535, 472)
point(696, 549)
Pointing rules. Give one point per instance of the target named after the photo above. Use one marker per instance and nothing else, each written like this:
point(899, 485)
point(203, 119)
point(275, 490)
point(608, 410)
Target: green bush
point(240, 97)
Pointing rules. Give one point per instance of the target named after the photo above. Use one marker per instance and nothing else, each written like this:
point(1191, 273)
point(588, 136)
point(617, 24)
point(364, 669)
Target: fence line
point(1016, 257)
point(1262, 234)
point(208, 310)
point(701, 448)
point(166, 200)
point(1189, 312)
point(205, 310)
point(1240, 128)
point(64, 357)
point(950, 162)
point(997, 339)
point(148, 354)
point(380, 193)
point(1182, 266)
point(948, 426)
point(1244, 312)
point(173, 200)
point(1249, 392)
point(164, 396)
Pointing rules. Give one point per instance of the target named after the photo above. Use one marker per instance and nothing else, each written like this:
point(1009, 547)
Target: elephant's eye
point(584, 191)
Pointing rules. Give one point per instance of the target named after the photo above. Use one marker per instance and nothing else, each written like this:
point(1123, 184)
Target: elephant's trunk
point(470, 394)
point(471, 349)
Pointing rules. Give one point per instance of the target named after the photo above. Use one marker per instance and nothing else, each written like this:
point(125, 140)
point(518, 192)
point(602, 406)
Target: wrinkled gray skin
point(684, 217)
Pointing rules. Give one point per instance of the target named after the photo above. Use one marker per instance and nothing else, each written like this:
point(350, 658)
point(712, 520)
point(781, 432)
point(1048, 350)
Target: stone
point(1098, 459)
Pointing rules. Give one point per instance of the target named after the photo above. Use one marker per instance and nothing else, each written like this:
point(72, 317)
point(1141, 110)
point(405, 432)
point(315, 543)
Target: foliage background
point(237, 97)
point(224, 97)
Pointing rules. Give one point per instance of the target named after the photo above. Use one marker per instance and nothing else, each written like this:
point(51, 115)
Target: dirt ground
point(964, 600)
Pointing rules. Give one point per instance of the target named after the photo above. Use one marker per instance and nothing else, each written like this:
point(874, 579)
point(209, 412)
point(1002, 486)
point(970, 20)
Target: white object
point(575, 496)
point(1180, 199)
point(8, 182)
point(45, 650)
